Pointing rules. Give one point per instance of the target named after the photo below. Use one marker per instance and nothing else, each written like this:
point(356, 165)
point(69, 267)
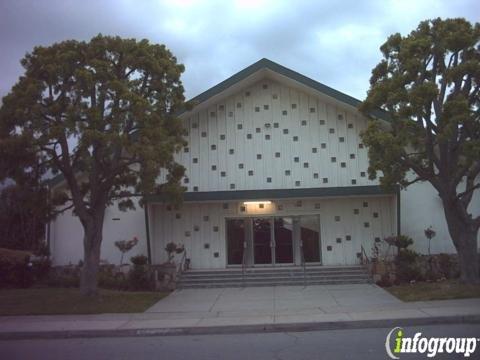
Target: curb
point(242, 329)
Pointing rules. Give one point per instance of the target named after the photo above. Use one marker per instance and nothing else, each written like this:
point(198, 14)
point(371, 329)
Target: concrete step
point(317, 275)
point(275, 270)
point(275, 283)
point(272, 274)
point(270, 277)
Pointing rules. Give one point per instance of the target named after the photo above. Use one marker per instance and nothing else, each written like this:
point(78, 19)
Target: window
point(284, 112)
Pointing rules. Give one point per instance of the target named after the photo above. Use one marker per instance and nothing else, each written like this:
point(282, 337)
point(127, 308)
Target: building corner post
point(147, 231)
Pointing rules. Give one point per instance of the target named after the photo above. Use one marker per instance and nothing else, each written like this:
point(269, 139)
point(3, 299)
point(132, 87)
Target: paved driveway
point(275, 303)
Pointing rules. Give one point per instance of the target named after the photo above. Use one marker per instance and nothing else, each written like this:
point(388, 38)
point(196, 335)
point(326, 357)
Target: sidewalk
point(230, 310)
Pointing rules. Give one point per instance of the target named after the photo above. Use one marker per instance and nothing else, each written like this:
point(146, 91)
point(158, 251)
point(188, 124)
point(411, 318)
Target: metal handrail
point(304, 265)
point(181, 264)
point(243, 263)
point(364, 257)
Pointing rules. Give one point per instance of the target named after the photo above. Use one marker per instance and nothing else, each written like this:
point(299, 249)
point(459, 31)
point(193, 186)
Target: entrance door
point(310, 237)
point(235, 241)
point(262, 241)
point(283, 230)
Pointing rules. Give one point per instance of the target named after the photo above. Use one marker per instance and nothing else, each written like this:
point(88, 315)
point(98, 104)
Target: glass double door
point(266, 241)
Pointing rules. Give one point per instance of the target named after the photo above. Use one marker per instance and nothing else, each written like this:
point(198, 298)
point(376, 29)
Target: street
point(334, 344)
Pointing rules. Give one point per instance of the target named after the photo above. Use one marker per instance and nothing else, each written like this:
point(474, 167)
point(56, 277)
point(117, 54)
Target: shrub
point(139, 276)
point(15, 268)
point(406, 267)
point(63, 280)
point(445, 265)
point(139, 260)
point(109, 279)
point(41, 268)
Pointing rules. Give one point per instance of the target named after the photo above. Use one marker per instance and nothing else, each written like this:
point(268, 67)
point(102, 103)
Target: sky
point(334, 42)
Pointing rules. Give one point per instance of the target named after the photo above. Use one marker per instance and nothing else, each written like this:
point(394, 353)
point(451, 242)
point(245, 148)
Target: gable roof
point(267, 64)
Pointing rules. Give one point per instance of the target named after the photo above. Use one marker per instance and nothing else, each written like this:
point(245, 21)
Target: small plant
point(171, 248)
point(125, 246)
point(429, 234)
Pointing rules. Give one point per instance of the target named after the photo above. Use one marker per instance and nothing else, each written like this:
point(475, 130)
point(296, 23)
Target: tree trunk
point(464, 236)
point(92, 242)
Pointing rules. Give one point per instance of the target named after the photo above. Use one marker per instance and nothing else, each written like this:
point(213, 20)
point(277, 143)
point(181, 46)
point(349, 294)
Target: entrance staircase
point(314, 275)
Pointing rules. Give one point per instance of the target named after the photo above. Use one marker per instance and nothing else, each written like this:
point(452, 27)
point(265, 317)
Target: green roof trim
point(269, 194)
point(282, 70)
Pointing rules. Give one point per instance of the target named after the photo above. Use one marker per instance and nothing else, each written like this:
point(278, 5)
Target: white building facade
point(276, 172)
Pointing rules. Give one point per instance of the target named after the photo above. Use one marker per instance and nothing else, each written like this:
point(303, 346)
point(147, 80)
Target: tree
point(102, 115)
point(429, 83)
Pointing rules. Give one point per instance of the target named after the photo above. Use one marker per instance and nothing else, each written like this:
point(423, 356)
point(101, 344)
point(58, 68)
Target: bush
point(445, 265)
point(109, 279)
point(139, 260)
point(15, 268)
point(406, 266)
point(139, 276)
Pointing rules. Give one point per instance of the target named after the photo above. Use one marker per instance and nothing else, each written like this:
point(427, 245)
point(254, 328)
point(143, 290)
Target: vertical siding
point(274, 109)
point(195, 231)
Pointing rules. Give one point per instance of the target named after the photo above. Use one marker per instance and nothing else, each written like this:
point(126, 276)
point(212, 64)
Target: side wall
point(66, 236)
point(342, 228)
point(421, 207)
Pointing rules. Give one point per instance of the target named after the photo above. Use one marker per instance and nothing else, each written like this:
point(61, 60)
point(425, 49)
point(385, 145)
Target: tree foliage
point(428, 82)
point(103, 115)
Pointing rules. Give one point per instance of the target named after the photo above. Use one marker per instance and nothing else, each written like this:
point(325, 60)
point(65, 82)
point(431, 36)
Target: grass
point(55, 301)
point(424, 291)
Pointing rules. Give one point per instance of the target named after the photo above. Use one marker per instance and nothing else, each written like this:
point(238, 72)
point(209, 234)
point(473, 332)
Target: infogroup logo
point(397, 343)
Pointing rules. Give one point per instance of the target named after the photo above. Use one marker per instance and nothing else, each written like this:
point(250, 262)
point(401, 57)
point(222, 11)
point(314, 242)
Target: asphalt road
point(335, 344)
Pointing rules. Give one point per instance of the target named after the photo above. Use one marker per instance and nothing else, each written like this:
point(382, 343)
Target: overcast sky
point(334, 42)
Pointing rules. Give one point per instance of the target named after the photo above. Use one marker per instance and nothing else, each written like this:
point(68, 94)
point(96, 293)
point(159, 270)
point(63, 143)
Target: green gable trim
point(275, 194)
point(282, 70)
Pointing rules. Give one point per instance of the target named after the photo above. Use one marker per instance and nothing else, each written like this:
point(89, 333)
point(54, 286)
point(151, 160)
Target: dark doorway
point(235, 239)
point(262, 240)
point(283, 230)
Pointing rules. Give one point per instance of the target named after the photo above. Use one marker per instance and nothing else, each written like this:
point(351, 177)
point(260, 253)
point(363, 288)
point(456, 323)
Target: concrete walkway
point(251, 309)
